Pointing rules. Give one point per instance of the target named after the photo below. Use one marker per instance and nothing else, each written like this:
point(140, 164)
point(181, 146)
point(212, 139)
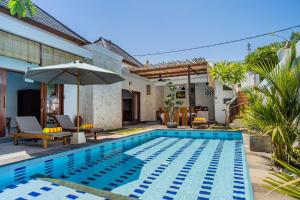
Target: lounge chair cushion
point(65, 121)
point(57, 134)
point(28, 124)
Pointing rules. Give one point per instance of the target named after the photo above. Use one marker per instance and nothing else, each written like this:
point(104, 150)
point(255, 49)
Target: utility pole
point(249, 48)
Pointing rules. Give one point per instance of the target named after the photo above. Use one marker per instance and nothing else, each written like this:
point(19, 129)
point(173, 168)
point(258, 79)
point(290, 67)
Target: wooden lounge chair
point(29, 128)
point(67, 125)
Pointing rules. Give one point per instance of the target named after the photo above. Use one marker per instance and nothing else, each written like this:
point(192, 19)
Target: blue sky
point(141, 26)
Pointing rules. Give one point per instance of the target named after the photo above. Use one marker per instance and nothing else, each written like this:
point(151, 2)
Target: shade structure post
point(78, 83)
point(189, 96)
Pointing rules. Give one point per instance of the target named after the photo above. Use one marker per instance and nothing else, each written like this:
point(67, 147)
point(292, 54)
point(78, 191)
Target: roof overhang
point(46, 28)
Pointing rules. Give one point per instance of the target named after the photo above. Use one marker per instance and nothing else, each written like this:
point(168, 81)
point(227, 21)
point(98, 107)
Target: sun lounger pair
point(29, 128)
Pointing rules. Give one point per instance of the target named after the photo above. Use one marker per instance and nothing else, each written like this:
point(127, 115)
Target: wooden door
point(3, 79)
point(52, 103)
point(136, 107)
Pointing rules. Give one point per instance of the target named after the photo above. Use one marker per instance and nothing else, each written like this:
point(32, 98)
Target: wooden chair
point(184, 116)
point(166, 118)
point(29, 128)
point(176, 115)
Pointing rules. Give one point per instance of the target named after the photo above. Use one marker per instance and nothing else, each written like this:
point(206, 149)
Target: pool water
point(164, 166)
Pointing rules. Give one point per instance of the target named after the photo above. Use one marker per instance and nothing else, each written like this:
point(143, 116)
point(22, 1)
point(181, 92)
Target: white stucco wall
point(15, 82)
point(203, 100)
point(159, 97)
point(220, 94)
point(148, 102)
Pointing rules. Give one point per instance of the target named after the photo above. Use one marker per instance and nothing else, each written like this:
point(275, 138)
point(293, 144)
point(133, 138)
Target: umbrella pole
point(78, 83)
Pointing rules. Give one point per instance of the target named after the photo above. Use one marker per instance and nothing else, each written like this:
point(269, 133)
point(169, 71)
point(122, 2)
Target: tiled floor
point(39, 189)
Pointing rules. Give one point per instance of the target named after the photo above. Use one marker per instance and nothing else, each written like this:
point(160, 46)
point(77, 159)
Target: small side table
point(78, 138)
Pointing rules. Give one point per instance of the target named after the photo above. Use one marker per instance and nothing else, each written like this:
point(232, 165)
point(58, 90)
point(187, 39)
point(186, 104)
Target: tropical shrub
point(286, 181)
point(171, 102)
point(274, 106)
point(230, 74)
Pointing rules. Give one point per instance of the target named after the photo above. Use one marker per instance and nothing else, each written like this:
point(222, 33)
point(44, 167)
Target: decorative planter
point(172, 124)
point(260, 143)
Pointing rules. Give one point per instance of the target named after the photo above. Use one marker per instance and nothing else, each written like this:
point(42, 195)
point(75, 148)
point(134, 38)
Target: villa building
point(42, 40)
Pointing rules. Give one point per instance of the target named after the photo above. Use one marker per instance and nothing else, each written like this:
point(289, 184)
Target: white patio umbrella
point(74, 73)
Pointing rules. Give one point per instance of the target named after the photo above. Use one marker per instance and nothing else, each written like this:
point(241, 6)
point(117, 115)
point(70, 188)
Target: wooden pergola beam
point(185, 66)
point(170, 73)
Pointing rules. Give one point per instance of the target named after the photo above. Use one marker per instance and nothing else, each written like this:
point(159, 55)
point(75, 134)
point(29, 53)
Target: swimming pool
point(160, 164)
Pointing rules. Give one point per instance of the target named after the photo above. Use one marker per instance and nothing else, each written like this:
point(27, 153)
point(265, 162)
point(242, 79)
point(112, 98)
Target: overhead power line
point(217, 44)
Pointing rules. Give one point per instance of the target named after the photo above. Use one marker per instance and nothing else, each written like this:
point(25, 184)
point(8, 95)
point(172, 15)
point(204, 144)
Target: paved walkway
point(259, 164)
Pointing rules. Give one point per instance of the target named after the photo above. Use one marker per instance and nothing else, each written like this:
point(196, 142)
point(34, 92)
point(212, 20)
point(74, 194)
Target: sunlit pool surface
point(154, 165)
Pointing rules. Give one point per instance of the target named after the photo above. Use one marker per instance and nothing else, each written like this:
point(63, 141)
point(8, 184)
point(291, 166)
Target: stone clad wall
point(101, 104)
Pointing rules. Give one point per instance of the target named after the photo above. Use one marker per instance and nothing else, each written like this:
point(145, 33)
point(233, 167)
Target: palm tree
point(274, 107)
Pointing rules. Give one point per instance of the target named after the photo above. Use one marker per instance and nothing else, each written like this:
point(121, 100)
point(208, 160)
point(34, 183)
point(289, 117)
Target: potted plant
point(170, 104)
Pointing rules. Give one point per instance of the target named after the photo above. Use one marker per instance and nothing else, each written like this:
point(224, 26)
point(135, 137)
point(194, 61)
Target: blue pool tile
point(181, 179)
point(11, 186)
point(239, 198)
point(81, 192)
point(167, 198)
point(20, 198)
point(144, 186)
point(147, 182)
point(46, 189)
point(34, 194)
point(54, 184)
point(139, 191)
point(107, 189)
point(238, 192)
point(184, 175)
point(134, 196)
point(174, 187)
point(171, 192)
point(203, 198)
point(113, 184)
point(91, 178)
point(239, 182)
point(177, 182)
point(207, 182)
point(85, 182)
point(71, 196)
point(210, 174)
point(204, 192)
point(154, 174)
point(24, 182)
point(206, 187)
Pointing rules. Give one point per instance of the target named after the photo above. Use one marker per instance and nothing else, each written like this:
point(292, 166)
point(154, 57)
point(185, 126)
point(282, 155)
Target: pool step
point(83, 188)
